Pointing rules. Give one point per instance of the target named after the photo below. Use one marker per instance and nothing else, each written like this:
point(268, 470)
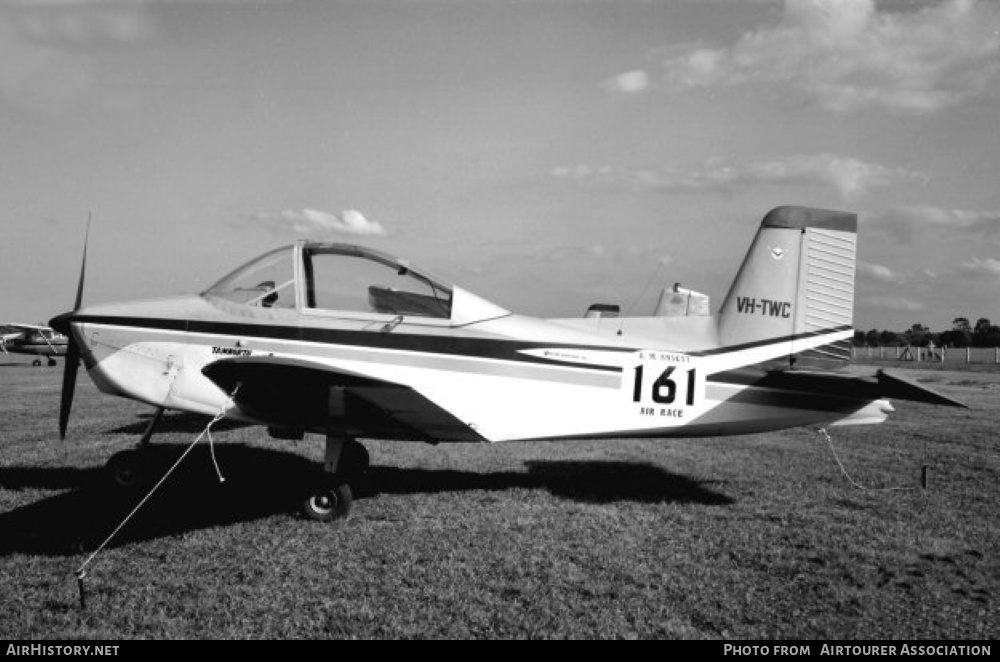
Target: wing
point(306, 395)
point(26, 327)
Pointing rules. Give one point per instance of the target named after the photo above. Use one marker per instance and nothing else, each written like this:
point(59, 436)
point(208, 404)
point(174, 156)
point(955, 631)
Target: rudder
point(796, 286)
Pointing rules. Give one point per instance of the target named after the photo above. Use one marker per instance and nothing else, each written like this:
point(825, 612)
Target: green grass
point(751, 537)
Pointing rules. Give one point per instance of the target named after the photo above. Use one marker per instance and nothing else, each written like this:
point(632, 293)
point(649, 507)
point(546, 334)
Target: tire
point(328, 502)
point(124, 469)
point(36, 363)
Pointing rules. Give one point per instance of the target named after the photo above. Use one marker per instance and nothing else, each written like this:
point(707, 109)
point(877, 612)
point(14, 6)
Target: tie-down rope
point(829, 443)
point(81, 572)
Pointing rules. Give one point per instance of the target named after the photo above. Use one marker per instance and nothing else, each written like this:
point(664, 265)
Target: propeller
point(62, 325)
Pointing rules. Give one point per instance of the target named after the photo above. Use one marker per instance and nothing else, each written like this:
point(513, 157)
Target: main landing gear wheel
point(125, 469)
point(329, 501)
point(52, 362)
point(36, 362)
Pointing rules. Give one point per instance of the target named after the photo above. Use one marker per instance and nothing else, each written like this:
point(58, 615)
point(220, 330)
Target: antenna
point(628, 311)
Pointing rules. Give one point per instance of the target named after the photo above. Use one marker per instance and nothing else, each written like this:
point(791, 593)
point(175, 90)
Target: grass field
point(749, 537)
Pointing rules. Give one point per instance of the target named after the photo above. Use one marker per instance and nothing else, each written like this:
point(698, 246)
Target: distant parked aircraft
point(33, 339)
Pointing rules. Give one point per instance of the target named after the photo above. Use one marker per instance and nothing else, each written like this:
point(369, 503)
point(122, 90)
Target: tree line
point(961, 334)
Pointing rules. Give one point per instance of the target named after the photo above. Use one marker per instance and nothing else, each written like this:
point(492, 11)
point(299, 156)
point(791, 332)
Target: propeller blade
point(72, 348)
point(69, 384)
point(83, 268)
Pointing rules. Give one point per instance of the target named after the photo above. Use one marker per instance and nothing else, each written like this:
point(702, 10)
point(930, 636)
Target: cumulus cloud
point(904, 222)
point(47, 48)
point(82, 23)
point(625, 255)
point(894, 303)
point(630, 82)
point(980, 268)
point(313, 222)
point(849, 176)
point(877, 271)
point(848, 55)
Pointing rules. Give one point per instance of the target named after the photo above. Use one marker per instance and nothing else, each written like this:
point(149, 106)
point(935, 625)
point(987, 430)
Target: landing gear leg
point(330, 497)
point(125, 467)
point(148, 433)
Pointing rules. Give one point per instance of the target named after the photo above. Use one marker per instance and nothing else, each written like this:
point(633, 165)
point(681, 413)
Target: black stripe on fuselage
point(769, 341)
point(489, 348)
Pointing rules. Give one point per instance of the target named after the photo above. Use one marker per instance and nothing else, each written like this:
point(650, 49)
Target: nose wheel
point(125, 469)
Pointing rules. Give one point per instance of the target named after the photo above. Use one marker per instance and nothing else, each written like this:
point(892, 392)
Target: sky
point(543, 154)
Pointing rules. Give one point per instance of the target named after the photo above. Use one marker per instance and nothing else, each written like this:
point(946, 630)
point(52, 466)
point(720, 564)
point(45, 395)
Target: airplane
point(33, 339)
point(349, 342)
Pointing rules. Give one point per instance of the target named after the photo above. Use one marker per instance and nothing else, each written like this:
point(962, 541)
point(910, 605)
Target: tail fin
point(796, 286)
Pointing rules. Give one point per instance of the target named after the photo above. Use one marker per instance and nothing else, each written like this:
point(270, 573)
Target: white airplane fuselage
point(507, 378)
point(351, 343)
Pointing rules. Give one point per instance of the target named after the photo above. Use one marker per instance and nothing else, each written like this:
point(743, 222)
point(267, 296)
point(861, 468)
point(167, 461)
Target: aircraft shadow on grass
point(263, 482)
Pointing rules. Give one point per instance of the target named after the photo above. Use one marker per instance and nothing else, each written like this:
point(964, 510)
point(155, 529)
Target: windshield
point(346, 278)
point(268, 281)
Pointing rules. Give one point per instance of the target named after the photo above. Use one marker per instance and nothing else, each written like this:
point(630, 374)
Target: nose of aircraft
point(61, 322)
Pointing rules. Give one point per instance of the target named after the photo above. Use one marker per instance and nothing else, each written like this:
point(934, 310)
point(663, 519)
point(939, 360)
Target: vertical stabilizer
point(796, 286)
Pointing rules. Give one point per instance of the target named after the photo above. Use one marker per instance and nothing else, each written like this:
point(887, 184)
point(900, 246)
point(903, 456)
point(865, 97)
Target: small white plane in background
point(349, 342)
point(42, 341)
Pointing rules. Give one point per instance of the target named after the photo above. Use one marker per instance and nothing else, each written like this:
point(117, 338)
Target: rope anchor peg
point(80, 576)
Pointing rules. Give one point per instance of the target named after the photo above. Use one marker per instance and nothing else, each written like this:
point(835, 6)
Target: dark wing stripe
point(301, 394)
point(491, 348)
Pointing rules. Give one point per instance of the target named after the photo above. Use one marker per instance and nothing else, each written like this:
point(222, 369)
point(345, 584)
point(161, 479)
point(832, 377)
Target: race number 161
point(663, 389)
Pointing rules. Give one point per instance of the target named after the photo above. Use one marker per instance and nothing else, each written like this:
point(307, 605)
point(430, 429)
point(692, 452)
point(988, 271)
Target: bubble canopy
point(310, 276)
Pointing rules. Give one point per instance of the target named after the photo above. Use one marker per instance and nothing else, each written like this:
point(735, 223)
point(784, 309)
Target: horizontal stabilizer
point(835, 385)
point(894, 386)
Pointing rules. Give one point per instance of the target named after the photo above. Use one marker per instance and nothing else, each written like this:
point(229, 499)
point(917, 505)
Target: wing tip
point(896, 386)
